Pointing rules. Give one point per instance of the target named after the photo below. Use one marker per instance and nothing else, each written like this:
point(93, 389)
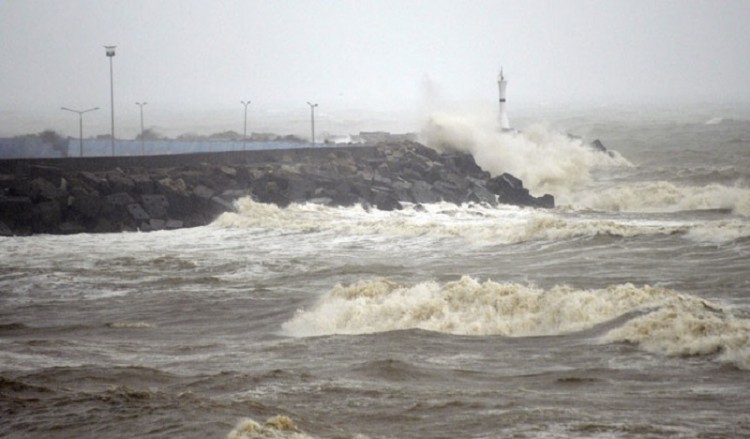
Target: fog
point(368, 64)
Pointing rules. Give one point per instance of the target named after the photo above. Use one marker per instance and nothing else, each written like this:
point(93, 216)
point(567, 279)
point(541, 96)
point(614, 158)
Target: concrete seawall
point(112, 194)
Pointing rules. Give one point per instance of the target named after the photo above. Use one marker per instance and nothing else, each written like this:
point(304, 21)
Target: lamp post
point(312, 120)
point(143, 141)
point(244, 130)
point(80, 125)
point(110, 54)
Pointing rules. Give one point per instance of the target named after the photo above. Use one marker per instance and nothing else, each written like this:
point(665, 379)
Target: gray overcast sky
point(381, 54)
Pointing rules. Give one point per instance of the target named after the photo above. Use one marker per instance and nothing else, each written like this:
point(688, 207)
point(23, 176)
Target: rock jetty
point(116, 194)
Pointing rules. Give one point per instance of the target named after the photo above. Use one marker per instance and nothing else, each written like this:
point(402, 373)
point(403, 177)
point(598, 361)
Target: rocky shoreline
point(99, 195)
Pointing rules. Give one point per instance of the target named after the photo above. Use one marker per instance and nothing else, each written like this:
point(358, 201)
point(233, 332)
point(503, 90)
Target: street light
point(312, 120)
point(80, 124)
point(110, 54)
point(143, 142)
point(244, 130)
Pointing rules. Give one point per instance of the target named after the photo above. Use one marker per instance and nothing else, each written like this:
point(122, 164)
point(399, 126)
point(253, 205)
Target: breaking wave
point(552, 162)
point(478, 223)
point(671, 323)
point(545, 160)
point(662, 196)
point(277, 427)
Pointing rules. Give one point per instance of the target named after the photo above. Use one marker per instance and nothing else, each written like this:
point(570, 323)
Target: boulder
point(156, 205)
point(42, 188)
point(137, 212)
point(422, 192)
point(89, 206)
point(119, 182)
point(119, 199)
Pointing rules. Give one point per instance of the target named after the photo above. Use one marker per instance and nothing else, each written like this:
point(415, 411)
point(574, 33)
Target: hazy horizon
point(369, 65)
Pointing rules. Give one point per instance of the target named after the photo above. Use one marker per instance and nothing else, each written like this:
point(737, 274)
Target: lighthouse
point(501, 84)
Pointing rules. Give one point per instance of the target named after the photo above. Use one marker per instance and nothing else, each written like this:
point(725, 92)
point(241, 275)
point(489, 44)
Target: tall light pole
point(312, 120)
point(244, 130)
point(110, 54)
point(143, 141)
point(80, 125)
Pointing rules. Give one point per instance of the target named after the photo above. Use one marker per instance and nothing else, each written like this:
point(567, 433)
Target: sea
point(624, 312)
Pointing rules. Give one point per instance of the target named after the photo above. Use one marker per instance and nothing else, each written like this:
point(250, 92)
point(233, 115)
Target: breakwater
point(112, 194)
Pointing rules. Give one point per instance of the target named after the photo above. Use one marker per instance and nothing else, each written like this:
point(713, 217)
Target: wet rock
point(155, 205)
point(119, 182)
point(46, 216)
point(184, 192)
point(137, 212)
point(89, 206)
point(119, 199)
point(203, 192)
point(41, 188)
point(422, 192)
point(510, 190)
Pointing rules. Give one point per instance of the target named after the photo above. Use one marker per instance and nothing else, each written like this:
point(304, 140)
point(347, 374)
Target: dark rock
point(174, 224)
point(43, 189)
point(598, 145)
point(49, 173)
point(155, 205)
point(71, 227)
point(90, 206)
point(546, 201)
point(46, 216)
point(137, 212)
point(119, 199)
point(480, 194)
point(94, 180)
point(5, 230)
point(510, 190)
point(185, 192)
point(203, 192)
point(143, 183)
point(422, 192)
point(156, 224)
point(119, 182)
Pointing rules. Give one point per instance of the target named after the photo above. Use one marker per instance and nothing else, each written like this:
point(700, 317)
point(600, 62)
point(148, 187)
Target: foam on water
point(545, 160)
point(477, 223)
point(277, 427)
point(673, 323)
point(661, 196)
point(551, 162)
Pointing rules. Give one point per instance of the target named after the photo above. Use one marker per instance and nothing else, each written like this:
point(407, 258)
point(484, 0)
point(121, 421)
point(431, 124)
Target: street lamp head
point(110, 50)
point(311, 104)
point(245, 103)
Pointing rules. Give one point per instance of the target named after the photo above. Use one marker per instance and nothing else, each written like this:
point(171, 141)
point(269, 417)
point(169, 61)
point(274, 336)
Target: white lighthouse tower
point(501, 84)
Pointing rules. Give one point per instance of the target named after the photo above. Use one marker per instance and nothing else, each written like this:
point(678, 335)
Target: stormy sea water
point(623, 312)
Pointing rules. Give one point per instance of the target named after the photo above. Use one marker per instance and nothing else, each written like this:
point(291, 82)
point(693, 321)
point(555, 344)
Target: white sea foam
point(277, 427)
point(551, 162)
point(476, 223)
point(545, 160)
point(661, 196)
point(673, 323)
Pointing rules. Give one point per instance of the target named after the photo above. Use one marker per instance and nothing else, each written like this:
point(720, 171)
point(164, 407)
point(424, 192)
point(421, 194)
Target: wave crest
point(477, 223)
point(672, 324)
point(662, 196)
point(545, 160)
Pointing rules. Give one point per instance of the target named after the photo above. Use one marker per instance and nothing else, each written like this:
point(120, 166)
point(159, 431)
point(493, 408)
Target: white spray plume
point(547, 161)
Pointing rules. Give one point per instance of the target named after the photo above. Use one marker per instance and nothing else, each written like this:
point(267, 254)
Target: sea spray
point(547, 161)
